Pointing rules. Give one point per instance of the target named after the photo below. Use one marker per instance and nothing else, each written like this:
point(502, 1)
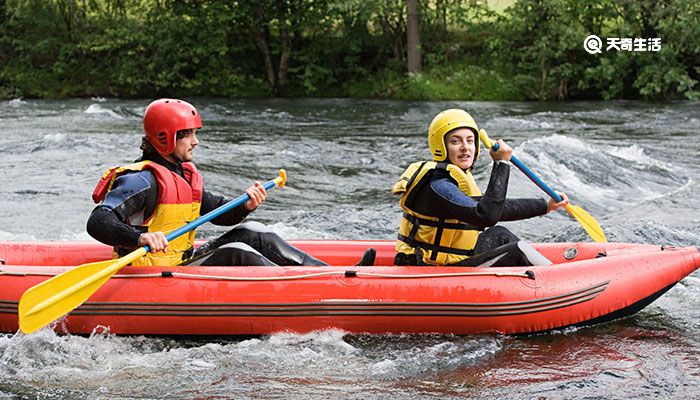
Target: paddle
point(588, 223)
point(46, 302)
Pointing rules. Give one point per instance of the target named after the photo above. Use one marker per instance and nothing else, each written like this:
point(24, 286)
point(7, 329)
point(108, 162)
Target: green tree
point(146, 48)
point(413, 48)
point(541, 42)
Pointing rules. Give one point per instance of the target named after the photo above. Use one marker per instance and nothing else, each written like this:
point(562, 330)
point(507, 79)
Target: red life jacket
point(179, 202)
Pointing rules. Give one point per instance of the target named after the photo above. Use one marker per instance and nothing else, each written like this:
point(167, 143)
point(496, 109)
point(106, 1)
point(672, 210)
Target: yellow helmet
point(445, 122)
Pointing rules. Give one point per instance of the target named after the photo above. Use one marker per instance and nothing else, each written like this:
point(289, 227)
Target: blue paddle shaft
point(531, 175)
point(212, 214)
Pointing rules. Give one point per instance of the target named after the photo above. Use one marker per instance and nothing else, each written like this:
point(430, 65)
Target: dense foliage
point(531, 50)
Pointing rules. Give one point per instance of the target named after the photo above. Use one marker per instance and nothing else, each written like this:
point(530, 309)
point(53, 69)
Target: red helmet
point(163, 118)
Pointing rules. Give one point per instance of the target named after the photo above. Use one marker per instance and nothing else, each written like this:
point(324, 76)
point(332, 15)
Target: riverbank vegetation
point(455, 49)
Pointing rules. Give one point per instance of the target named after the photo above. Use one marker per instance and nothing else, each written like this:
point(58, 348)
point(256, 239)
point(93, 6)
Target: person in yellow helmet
point(446, 219)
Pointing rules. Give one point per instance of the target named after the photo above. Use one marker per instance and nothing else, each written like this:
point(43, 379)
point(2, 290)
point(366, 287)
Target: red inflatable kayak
point(587, 284)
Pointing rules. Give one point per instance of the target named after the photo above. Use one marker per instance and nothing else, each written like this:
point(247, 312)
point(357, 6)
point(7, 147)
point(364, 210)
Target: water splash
point(18, 102)
point(134, 366)
point(98, 109)
point(583, 170)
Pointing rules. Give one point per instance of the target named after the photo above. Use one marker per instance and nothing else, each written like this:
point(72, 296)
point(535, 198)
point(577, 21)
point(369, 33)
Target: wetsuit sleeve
point(133, 194)
point(517, 209)
point(443, 199)
point(211, 201)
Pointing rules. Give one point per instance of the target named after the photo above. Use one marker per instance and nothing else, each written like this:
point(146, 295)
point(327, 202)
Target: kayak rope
point(527, 274)
point(451, 274)
point(345, 273)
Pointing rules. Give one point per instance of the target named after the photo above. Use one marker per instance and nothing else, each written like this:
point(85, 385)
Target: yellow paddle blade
point(50, 300)
point(589, 224)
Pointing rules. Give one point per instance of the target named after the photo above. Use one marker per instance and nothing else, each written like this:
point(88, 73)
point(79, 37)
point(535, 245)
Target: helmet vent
point(163, 138)
point(194, 113)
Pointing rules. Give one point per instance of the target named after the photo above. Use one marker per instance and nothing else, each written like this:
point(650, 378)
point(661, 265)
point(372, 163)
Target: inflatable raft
point(587, 284)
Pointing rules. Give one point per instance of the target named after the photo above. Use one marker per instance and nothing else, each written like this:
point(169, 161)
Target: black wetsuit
point(134, 197)
point(441, 198)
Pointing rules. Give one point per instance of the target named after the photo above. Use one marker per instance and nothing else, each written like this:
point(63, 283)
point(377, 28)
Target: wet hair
point(181, 133)
point(146, 146)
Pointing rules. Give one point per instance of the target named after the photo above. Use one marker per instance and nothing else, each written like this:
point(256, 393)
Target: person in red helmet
point(162, 191)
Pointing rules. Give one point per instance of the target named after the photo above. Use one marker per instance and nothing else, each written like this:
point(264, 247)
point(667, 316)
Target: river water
point(633, 166)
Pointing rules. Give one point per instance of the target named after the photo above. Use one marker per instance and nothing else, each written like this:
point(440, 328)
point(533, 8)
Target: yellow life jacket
point(438, 241)
point(179, 202)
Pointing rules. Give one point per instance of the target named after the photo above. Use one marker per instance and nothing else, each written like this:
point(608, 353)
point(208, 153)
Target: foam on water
point(13, 236)
point(549, 154)
point(629, 153)
point(558, 142)
point(54, 138)
point(16, 102)
point(517, 123)
point(98, 109)
point(81, 236)
point(638, 156)
point(134, 366)
point(578, 167)
point(290, 232)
